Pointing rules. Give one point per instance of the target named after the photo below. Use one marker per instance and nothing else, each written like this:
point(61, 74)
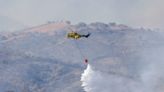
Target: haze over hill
point(43, 59)
point(135, 13)
point(9, 24)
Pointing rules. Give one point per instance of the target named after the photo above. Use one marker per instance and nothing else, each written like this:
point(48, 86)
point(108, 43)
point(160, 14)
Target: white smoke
point(96, 81)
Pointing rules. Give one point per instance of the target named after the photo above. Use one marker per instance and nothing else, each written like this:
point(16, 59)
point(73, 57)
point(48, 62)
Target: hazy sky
point(136, 13)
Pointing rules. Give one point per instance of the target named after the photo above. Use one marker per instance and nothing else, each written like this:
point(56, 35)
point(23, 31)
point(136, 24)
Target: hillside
point(42, 59)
